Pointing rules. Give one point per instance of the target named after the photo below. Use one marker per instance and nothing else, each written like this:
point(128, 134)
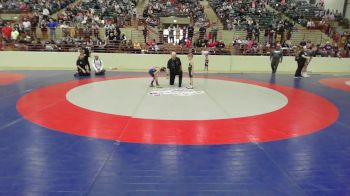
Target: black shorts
point(190, 72)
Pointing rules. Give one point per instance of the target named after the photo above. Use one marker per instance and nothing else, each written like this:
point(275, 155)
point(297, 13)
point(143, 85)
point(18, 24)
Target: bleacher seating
point(177, 8)
point(14, 6)
point(238, 14)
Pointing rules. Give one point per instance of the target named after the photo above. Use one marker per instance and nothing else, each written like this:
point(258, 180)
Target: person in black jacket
point(190, 31)
point(175, 68)
point(301, 58)
point(86, 53)
point(82, 67)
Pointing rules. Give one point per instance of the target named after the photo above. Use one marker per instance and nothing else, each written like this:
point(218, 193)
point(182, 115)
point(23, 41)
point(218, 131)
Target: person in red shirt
point(6, 32)
point(188, 43)
point(212, 44)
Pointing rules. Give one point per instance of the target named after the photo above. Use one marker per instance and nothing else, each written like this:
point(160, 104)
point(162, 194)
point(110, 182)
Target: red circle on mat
point(338, 83)
point(10, 78)
point(304, 114)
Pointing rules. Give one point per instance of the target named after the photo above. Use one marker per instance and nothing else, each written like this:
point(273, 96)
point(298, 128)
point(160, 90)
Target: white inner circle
point(347, 82)
point(210, 99)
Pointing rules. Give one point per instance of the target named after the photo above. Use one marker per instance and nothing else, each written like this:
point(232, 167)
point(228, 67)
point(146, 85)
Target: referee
point(175, 68)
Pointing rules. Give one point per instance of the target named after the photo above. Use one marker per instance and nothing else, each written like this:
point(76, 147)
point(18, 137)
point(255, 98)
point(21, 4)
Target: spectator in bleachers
point(14, 35)
point(34, 20)
point(191, 8)
point(6, 32)
point(27, 26)
point(202, 32)
point(190, 31)
point(145, 33)
point(52, 25)
point(171, 32)
point(220, 45)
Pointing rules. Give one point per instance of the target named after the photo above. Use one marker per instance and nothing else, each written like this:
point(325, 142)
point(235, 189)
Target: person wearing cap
point(276, 57)
point(97, 64)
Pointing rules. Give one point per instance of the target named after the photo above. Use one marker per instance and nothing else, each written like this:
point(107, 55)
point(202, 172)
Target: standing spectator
point(95, 30)
point(188, 43)
point(190, 31)
point(65, 29)
point(46, 13)
point(249, 32)
point(43, 28)
point(1, 24)
point(266, 35)
point(171, 34)
point(256, 34)
point(214, 32)
point(52, 25)
point(118, 32)
point(272, 34)
point(14, 35)
point(202, 31)
point(27, 26)
point(34, 24)
point(184, 32)
point(6, 32)
point(178, 32)
point(145, 33)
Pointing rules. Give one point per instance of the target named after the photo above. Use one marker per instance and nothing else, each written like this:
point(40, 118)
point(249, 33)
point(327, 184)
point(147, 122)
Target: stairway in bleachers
point(137, 36)
point(213, 18)
point(140, 6)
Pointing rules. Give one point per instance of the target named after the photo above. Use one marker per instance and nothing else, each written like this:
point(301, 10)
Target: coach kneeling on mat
point(82, 66)
point(175, 68)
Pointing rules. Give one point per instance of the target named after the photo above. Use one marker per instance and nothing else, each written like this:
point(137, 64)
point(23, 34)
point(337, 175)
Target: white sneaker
point(305, 75)
point(190, 87)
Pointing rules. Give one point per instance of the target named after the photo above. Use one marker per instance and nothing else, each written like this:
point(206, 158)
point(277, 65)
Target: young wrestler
point(190, 69)
point(153, 72)
point(97, 64)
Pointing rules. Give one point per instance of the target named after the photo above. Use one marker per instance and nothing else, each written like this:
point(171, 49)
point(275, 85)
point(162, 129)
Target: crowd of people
point(304, 12)
point(47, 7)
point(328, 49)
point(238, 14)
point(78, 24)
point(181, 8)
point(81, 24)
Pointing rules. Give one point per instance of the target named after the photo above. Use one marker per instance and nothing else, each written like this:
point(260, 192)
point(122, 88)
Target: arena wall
point(141, 62)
